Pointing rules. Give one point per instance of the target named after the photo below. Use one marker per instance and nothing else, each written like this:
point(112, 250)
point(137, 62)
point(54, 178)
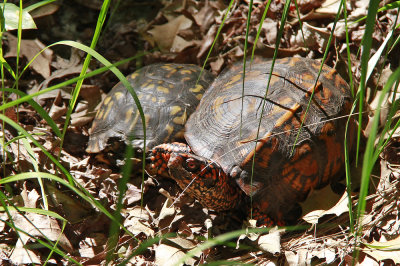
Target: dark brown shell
point(226, 125)
point(168, 93)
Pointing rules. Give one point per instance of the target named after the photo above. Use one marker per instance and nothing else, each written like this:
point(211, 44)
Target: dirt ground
point(180, 31)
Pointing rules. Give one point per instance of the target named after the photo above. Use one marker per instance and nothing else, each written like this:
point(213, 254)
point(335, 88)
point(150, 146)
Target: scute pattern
point(288, 164)
point(168, 93)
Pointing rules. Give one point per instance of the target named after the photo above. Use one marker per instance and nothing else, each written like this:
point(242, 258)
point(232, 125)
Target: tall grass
point(375, 143)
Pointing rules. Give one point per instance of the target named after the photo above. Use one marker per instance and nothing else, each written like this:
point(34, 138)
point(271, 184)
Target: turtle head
point(204, 180)
point(199, 177)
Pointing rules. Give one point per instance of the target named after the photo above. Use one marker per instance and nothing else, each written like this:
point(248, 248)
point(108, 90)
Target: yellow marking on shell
point(274, 79)
point(167, 67)
point(118, 95)
point(109, 107)
point(197, 88)
point(285, 101)
point(307, 76)
point(233, 80)
point(169, 130)
point(218, 111)
point(310, 86)
point(154, 99)
point(179, 134)
point(199, 96)
point(162, 100)
point(149, 86)
point(330, 75)
point(171, 72)
point(180, 120)
point(107, 100)
point(283, 60)
point(162, 89)
point(146, 118)
point(340, 83)
point(186, 78)
point(293, 61)
point(128, 115)
point(285, 117)
point(186, 71)
point(175, 109)
point(100, 114)
point(134, 75)
point(135, 119)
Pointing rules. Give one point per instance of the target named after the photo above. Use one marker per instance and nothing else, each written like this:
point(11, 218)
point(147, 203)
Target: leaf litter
point(184, 32)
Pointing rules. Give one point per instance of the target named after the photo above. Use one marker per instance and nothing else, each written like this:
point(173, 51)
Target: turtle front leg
point(158, 157)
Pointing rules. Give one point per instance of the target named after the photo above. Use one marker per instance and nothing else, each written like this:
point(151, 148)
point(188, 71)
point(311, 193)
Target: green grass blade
point(367, 162)
point(76, 91)
point(39, 4)
point(260, 28)
point(39, 110)
point(71, 184)
point(34, 210)
point(218, 32)
point(28, 148)
point(318, 75)
point(244, 62)
point(4, 63)
point(277, 42)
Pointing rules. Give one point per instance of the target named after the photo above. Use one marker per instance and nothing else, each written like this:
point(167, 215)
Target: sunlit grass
point(376, 142)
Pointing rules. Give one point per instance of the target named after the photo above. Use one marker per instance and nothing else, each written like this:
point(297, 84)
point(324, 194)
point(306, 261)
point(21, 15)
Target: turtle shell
point(295, 133)
point(168, 93)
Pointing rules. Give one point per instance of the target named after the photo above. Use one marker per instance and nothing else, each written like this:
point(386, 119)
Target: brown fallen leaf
point(45, 10)
point(29, 49)
point(23, 256)
point(384, 250)
point(73, 209)
point(311, 37)
point(328, 7)
point(166, 35)
point(168, 255)
point(41, 226)
point(205, 17)
point(340, 207)
point(138, 221)
point(271, 242)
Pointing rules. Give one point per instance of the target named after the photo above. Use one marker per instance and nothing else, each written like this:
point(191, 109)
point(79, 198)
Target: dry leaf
point(271, 242)
point(30, 199)
point(183, 242)
point(29, 49)
point(40, 226)
point(137, 222)
point(45, 10)
point(205, 17)
point(320, 199)
point(311, 37)
point(329, 7)
point(166, 35)
point(338, 209)
point(167, 255)
point(23, 256)
point(384, 250)
point(299, 258)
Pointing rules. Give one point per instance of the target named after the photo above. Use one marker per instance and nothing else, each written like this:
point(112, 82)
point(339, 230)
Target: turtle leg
point(159, 156)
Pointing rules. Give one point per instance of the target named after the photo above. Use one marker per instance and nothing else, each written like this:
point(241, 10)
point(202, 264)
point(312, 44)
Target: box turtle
point(168, 93)
point(233, 125)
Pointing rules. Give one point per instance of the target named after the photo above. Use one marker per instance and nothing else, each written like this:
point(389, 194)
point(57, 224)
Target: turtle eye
point(192, 165)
